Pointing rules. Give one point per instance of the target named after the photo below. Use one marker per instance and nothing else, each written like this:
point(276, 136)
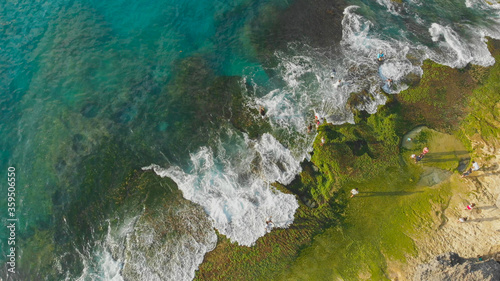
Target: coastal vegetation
point(95, 90)
point(372, 235)
point(375, 230)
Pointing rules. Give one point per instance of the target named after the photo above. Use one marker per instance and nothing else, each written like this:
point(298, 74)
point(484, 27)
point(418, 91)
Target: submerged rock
point(433, 176)
point(452, 267)
point(157, 234)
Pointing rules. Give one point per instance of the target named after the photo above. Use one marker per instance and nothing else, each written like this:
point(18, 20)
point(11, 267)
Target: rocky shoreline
point(477, 239)
point(400, 240)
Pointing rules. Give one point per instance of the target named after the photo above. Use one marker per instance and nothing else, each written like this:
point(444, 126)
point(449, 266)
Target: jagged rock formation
point(452, 267)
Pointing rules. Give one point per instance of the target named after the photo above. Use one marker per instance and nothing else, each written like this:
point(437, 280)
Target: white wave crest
point(459, 52)
point(234, 188)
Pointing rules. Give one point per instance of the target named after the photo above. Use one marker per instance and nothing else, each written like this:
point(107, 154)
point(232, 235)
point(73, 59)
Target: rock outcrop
point(452, 267)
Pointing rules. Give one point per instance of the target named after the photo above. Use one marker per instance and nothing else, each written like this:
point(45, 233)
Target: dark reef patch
point(317, 23)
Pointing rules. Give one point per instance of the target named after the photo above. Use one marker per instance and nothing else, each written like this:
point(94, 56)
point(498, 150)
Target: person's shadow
point(483, 175)
point(491, 168)
point(484, 219)
point(386, 193)
point(487, 207)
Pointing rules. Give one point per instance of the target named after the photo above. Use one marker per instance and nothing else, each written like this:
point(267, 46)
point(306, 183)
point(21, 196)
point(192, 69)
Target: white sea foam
point(109, 267)
point(98, 264)
point(355, 30)
point(156, 256)
point(397, 69)
point(307, 72)
point(311, 87)
point(390, 5)
point(458, 51)
point(288, 106)
point(308, 87)
point(416, 2)
point(233, 186)
point(134, 250)
point(360, 49)
point(482, 4)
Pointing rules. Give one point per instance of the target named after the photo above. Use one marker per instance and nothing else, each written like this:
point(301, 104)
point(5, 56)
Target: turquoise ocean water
point(91, 91)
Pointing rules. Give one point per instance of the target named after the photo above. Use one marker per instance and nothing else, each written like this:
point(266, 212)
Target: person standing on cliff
point(475, 166)
point(470, 206)
point(354, 192)
point(317, 123)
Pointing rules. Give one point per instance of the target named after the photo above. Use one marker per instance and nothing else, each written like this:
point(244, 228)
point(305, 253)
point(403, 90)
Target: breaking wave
point(232, 184)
